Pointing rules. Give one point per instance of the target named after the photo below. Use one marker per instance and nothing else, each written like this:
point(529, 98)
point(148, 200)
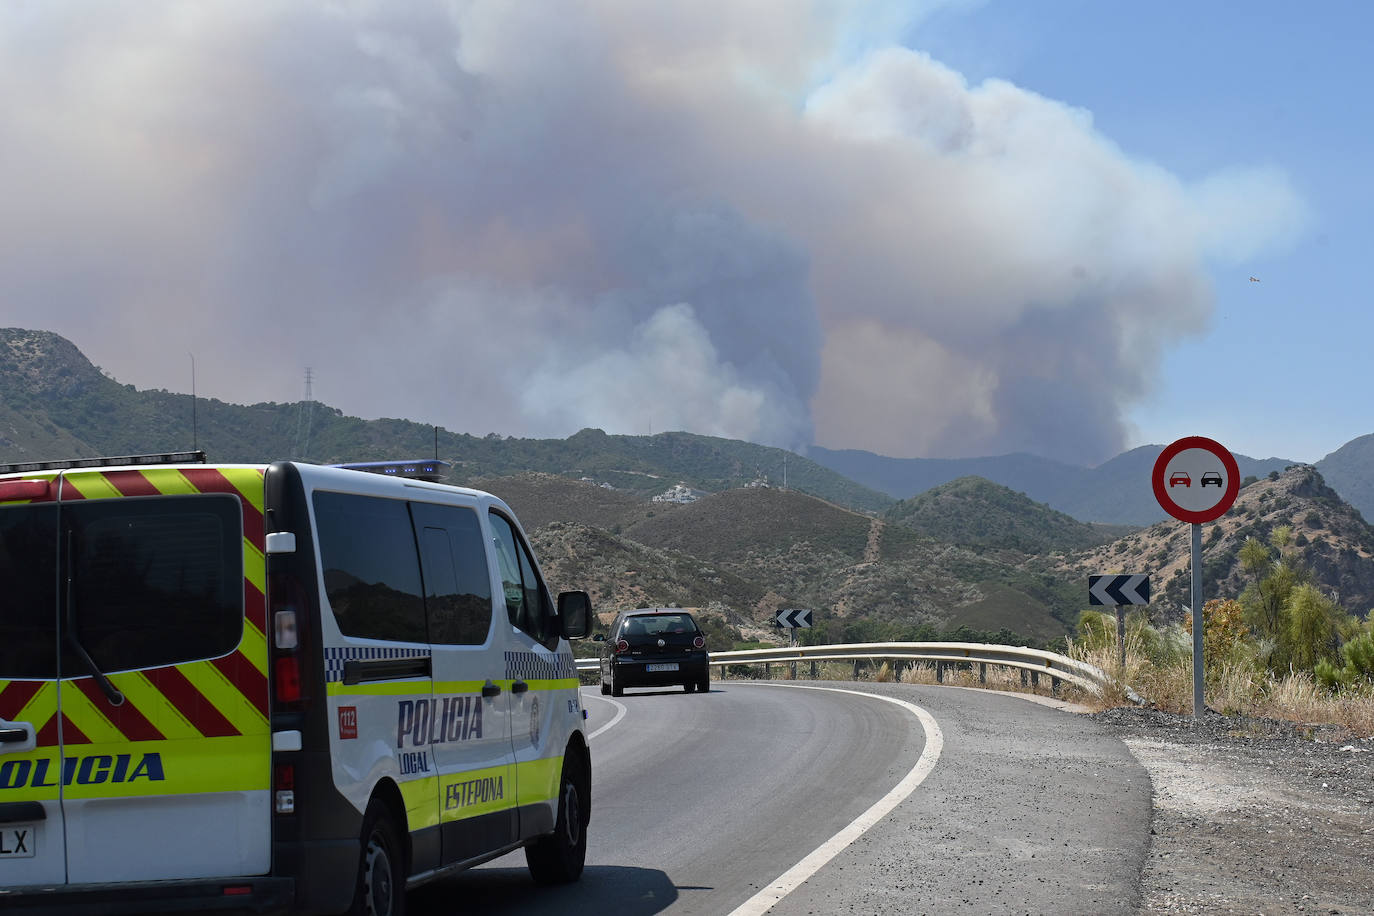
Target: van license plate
point(18, 841)
point(665, 666)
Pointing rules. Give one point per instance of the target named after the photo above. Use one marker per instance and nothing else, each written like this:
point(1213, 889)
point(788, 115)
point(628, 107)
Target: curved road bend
point(701, 801)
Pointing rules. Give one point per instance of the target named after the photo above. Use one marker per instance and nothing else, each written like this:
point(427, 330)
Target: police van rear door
point(163, 694)
point(32, 839)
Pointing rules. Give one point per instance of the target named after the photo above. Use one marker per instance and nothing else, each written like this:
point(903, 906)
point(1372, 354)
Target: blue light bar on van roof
point(431, 469)
point(25, 467)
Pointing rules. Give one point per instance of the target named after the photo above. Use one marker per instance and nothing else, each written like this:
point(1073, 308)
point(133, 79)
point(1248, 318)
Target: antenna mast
point(304, 416)
point(194, 445)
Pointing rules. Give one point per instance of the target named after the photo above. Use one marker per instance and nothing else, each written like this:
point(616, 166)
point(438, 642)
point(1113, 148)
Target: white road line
point(791, 879)
point(619, 713)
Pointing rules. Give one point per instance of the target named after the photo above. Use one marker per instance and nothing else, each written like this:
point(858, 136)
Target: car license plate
point(18, 841)
point(662, 666)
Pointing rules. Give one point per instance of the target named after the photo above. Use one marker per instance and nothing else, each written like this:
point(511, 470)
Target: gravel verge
point(1253, 815)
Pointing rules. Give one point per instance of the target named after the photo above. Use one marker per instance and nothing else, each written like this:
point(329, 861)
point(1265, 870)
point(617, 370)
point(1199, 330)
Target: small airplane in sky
point(1254, 279)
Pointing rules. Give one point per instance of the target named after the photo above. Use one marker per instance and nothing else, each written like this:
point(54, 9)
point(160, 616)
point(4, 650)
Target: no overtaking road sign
point(1195, 479)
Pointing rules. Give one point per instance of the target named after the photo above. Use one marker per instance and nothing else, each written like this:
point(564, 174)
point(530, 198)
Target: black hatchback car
point(654, 647)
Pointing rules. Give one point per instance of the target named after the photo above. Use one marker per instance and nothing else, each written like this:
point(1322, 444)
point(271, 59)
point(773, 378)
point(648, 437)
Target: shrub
point(1224, 635)
point(1358, 667)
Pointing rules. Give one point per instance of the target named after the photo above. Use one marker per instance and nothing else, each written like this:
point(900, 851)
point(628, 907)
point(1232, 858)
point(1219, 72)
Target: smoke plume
point(744, 218)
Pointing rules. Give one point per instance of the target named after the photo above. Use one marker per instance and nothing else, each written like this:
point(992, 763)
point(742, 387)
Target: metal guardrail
point(1036, 661)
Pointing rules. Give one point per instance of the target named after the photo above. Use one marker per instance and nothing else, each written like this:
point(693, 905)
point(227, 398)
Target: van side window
point(28, 601)
point(527, 600)
point(457, 582)
point(371, 569)
point(155, 581)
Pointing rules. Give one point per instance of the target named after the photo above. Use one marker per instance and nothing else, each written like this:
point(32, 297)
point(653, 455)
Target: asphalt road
point(699, 802)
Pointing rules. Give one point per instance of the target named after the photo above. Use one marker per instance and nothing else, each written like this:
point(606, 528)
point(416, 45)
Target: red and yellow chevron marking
point(194, 700)
point(27, 701)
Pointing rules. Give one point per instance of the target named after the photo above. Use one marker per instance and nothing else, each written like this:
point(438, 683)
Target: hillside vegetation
point(58, 405)
point(979, 513)
point(966, 553)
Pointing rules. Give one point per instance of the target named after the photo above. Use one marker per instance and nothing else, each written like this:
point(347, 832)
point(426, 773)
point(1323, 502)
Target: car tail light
point(699, 642)
point(621, 646)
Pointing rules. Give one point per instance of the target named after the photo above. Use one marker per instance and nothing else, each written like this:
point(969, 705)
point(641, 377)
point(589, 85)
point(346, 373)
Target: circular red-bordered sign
point(1196, 479)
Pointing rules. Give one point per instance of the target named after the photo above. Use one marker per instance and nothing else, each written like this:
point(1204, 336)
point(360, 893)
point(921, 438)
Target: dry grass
point(1233, 688)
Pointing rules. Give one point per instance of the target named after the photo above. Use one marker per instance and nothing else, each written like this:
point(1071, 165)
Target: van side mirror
point(575, 614)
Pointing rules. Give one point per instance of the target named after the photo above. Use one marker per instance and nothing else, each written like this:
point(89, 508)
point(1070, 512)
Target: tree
point(1289, 616)
point(1312, 620)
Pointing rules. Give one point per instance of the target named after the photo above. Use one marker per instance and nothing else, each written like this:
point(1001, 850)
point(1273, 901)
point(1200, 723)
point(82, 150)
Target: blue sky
point(924, 228)
point(1283, 367)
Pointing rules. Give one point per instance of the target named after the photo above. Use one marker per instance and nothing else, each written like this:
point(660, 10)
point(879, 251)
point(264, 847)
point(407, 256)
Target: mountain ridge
point(968, 552)
point(1116, 492)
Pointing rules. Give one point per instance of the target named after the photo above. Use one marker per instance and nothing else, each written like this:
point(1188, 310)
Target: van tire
point(381, 887)
point(558, 858)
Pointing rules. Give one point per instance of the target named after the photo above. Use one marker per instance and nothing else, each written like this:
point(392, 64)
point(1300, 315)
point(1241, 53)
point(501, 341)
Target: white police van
point(275, 687)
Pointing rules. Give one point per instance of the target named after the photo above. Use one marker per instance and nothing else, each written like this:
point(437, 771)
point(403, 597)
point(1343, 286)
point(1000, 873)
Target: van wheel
point(381, 889)
point(558, 857)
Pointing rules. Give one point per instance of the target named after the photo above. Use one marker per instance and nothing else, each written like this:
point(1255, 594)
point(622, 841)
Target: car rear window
point(658, 624)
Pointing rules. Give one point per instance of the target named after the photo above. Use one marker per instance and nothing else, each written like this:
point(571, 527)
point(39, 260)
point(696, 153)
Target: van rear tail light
point(699, 642)
point(290, 632)
point(621, 646)
point(284, 629)
point(284, 788)
point(287, 678)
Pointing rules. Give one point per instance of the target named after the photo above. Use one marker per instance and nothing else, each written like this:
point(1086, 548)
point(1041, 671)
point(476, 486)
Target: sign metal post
point(1198, 705)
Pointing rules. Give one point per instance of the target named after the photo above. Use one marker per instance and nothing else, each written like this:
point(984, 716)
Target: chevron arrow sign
point(1119, 590)
point(795, 617)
